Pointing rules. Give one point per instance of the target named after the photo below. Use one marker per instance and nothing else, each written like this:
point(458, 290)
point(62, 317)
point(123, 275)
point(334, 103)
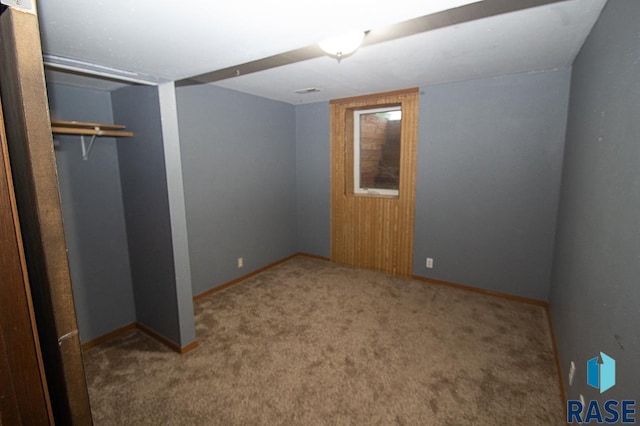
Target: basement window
point(376, 151)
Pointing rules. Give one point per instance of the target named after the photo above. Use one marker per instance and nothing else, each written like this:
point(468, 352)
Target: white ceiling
point(176, 40)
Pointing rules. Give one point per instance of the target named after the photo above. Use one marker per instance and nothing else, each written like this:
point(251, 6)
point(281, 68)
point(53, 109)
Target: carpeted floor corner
point(311, 343)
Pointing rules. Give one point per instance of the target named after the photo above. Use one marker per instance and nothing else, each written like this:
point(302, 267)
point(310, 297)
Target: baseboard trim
point(110, 335)
point(556, 354)
point(191, 346)
point(188, 348)
point(541, 303)
point(159, 337)
point(242, 278)
point(144, 329)
point(314, 256)
point(486, 292)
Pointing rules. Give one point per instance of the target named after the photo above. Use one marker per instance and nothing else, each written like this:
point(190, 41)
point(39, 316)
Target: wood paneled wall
point(374, 232)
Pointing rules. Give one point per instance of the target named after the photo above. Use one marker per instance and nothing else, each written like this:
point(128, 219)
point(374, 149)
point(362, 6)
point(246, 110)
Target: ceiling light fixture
point(342, 45)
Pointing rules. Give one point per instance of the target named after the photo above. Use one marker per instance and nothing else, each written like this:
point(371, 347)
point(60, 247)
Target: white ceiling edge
point(532, 40)
point(538, 39)
point(174, 40)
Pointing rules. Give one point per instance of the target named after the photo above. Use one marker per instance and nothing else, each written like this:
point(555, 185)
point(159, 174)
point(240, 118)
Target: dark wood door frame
point(31, 157)
point(24, 398)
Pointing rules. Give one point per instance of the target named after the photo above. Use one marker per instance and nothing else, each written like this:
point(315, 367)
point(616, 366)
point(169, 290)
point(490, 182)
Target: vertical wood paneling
point(371, 231)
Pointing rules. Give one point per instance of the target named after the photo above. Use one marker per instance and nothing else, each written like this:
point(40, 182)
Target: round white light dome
point(342, 45)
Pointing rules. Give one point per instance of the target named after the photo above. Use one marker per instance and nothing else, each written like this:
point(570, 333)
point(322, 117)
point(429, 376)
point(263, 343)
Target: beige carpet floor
point(311, 343)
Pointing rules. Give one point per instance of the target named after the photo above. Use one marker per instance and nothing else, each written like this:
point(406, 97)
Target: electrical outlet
point(429, 262)
point(240, 262)
point(572, 372)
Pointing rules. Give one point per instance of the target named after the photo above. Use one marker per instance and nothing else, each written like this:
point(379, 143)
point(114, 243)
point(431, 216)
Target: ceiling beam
point(445, 18)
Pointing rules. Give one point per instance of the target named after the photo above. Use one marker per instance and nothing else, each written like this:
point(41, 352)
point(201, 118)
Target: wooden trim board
point(188, 348)
point(361, 98)
point(24, 394)
point(314, 256)
point(33, 163)
point(486, 292)
point(168, 343)
point(554, 342)
point(109, 336)
point(144, 329)
point(194, 344)
point(65, 127)
point(86, 125)
point(512, 297)
point(159, 337)
point(536, 302)
point(91, 132)
point(242, 278)
point(135, 325)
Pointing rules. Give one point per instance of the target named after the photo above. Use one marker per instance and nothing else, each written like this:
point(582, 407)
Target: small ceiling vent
point(307, 90)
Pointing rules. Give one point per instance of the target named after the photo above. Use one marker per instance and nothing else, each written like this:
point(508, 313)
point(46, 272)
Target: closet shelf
point(91, 129)
point(84, 128)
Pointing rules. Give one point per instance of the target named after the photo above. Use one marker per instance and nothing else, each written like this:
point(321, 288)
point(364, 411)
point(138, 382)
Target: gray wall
point(177, 210)
point(489, 168)
point(595, 295)
point(239, 164)
point(93, 216)
point(146, 204)
point(313, 178)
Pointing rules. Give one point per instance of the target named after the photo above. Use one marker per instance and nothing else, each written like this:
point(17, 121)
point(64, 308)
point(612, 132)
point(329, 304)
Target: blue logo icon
point(601, 372)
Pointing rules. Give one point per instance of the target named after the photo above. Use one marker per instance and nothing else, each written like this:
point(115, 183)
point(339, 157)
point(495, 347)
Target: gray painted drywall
point(146, 204)
point(239, 166)
point(93, 215)
point(489, 168)
point(313, 168)
point(595, 294)
point(175, 188)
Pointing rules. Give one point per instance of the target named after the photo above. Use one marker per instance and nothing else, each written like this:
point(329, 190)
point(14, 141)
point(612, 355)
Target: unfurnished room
point(292, 212)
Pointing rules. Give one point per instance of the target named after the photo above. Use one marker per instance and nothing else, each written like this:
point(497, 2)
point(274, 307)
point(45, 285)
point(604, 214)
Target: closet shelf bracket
point(86, 150)
point(88, 129)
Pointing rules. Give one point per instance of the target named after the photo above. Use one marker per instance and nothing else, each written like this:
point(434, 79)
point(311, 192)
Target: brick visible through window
point(377, 150)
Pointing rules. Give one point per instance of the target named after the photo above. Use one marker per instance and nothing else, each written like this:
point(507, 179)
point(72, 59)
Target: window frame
point(357, 190)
